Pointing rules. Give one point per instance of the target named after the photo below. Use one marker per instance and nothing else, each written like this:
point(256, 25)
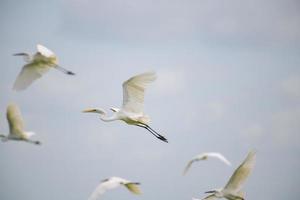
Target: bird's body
point(16, 126)
point(205, 156)
point(37, 65)
point(112, 183)
point(233, 188)
point(132, 111)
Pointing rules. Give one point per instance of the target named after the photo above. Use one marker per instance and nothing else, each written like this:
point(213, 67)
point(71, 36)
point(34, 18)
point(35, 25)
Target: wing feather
point(204, 156)
point(219, 156)
point(241, 173)
point(44, 51)
point(188, 166)
point(15, 121)
point(111, 183)
point(134, 91)
point(29, 74)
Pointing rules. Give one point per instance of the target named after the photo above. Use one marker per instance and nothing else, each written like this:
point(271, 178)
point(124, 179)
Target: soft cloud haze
point(228, 81)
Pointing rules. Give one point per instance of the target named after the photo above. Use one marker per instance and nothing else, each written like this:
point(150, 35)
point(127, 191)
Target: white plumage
point(205, 156)
point(112, 183)
point(37, 65)
point(233, 189)
point(16, 126)
point(132, 111)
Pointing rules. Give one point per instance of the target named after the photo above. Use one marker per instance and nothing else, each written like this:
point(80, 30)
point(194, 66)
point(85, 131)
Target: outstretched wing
point(29, 74)
point(133, 187)
point(15, 121)
point(219, 156)
point(44, 51)
point(105, 185)
point(134, 91)
point(240, 175)
point(111, 183)
point(188, 166)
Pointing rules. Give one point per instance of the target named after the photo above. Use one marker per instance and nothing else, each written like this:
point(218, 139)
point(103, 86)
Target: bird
point(37, 65)
point(233, 188)
point(132, 111)
point(112, 183)
point(16, 126)
point(205, 156)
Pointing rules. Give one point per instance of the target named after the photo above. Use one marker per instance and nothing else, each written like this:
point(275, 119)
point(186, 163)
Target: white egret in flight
point(16, 126)
point(114, 182)
point(233, 189)
point(205, 156)
point(37, 65)
point(132, 111)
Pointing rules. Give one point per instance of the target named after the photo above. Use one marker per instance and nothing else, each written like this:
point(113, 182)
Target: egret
point(37, 65)
point(205, 156)
point(114, 182)
point(16, 126)
point(232, 190)
point(132, 111)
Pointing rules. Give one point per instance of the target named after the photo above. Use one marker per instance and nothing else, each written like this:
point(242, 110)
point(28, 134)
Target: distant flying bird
point(37, 65)
point(205, 156)
point(114, 182)
point(132, 111)
point(16, 126)
point(233, 189)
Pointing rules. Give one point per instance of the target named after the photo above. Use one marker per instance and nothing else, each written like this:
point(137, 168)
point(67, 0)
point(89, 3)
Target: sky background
point(228, 81)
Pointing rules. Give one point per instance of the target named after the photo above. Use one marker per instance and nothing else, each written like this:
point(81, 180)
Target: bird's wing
point(15, 121)
point(97, 193)
point(188, 166)
point(29, 73)
point(44, 51)
point(133, 187)
point(134, 90)
point(241, 173)
point(210, 197)
point(219, 156)
point(111, 183)
point(105, 185)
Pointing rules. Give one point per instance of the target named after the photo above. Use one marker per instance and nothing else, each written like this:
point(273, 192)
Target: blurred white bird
point(37, 65)
point(114, 182)
point(232, 190)
point(205, 156)
point(16, 126)
point(132, 111)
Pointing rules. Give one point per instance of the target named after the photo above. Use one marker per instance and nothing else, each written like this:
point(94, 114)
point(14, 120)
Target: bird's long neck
point(105, 118)
point(26, 56)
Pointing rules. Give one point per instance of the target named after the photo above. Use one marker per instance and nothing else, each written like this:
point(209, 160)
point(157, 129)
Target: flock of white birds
point(132, 113)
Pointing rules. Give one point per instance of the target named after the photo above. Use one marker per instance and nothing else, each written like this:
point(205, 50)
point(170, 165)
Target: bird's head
point(94, 110)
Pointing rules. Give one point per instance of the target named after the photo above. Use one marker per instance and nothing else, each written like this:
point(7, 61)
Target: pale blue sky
point(228, 81)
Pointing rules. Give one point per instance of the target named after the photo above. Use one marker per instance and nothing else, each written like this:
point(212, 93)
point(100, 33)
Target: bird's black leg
point(160, 136)
point(153, 132)
point(64, 70)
